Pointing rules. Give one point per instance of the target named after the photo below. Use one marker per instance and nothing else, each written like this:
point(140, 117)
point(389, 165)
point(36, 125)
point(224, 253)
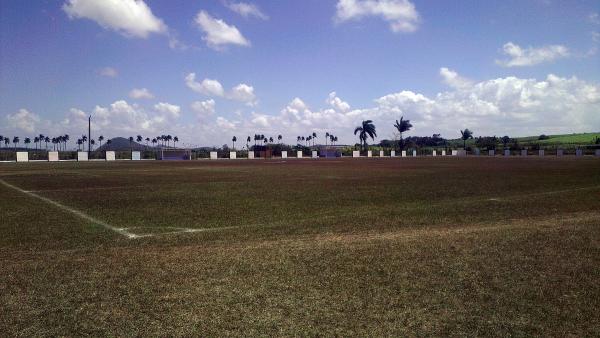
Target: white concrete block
point(136, 156)
point(461, 153)
point(53, 156)
point(283, 154)
point(355, 153)
point(22, 156)
point(414, 153)
point(454, 152)
point(506, 152)
point(541, 152)
point(443, 153)
point(250, 154)
point(523, 152)
point(403, 153)
point(82, 156)
point(314, 154)
point(110, 156)
point(232, 155)
point(213, 155)
point(393, 153)
point(491, 152)
point(579, 152)
point(369, 153)
point(559, 152)
point(299, 154)
point(381, 153)
point(434, 153)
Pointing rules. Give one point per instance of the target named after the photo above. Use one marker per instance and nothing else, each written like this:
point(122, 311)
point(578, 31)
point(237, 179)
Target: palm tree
point(36, 140)
point(233, 140)
point(79, 143)
point(84, 139)
point(366, 130)
point(175, 140)
point(131, 143)
point(331, 138)
point(108, 142)
point(139, 138)
point(6, 141)
point(65, 139)
point(308, 139)
point(402, 126)
point(54, 142)
point(147, 140)
point(100, 139)
point(335, 139)
point(15, 141)
point(168, 138)
point(154, 141)
point(27, 141)
point(1, 140)
point(279, 137)
point(248, 142)
point(299, 139)
point(92, 143)
point(314, 136)
point(271, 139)
point(46, 140)
point(326, 137)
point(465, 135)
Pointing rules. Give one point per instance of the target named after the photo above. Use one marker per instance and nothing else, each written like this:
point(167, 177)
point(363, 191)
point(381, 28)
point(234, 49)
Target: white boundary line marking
point(121, 231)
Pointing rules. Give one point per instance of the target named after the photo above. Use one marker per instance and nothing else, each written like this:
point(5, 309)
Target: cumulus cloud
point(452, 79)
point(401, 15)
point(243, 93)
point(246, 10)
point(519, 57)
point(168, 110)
point(140, 93)
point(594, 18)
point(338, 104)
point(23, 120)
point(204, 109)
point(217, 33)
point(131, 18)
point(108, 72)
point(208, 87)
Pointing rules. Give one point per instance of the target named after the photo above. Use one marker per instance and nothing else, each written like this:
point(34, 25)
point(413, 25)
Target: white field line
point(78, 213)
point(498, 199)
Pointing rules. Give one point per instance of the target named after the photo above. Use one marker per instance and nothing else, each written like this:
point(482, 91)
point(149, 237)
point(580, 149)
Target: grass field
point(383, 247)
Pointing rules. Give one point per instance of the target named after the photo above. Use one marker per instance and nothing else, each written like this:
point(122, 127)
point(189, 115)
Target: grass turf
point(425, 246)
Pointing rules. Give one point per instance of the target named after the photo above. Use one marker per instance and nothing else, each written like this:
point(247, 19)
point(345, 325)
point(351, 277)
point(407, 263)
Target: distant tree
point(36, 140)
point(326, 137)
point(100, 139)
point(271, 139)
point(131, 143)
point(83, 140)
point(364, 131)
point(41, 138)
point(54, 142)
point(465, 135)
point(79, 143)
point(248, 142)
point(233, 140)
point(175, 140)
point(16, 141)
point(108, 142)
point(597, 140)
point(314, 136)
point(46, 140)
point(543, 137)
point(65, 138)
point(147, 140)
point(92, 143)
point(402, 126)
point(265, 140)
point(154, 141)
point(279, 138)
point(27, 141)
point(6, 141)
point(505, 140)
point(139, 138)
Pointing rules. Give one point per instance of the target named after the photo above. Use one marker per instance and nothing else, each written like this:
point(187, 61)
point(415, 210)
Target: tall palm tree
point(271, 139)
point(27, 141)
point(248, 142)
point(364, 131)
point(79, 143)
point(100, 139)
point(314, 136)
point(147, 140)
point(465, 135)
point(233, 141)
point(46, 140)
point(169, 138)
point(41, 137)
point(6, 141)
point(84, 140)
point(131, 143)
point(402, 126)
point(331, 138)
point(279, 137)
point(335, 139)
point(36, 140)
point(326, 137)
point(1, 140)
point(54, 142)
point(175, 140)
point(154, 141)
point(108, 142)
point(92, 143)
point(139, 138)
point(16, 141)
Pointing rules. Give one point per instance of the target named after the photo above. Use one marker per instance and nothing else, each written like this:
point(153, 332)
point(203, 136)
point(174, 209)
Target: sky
point(210, 70)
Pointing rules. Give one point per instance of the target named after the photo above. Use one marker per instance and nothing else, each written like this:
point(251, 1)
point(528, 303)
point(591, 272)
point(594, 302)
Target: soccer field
point(406, 246)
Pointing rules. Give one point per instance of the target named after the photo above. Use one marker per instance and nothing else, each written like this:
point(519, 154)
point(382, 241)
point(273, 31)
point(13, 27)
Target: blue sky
point(294, 67)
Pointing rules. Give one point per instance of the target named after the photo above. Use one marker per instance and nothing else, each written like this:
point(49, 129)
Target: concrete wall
point(355, 153)
point(524, 152)
point(443, 153)
point(403, 153)
point(461, 153)
point(506, 152)
point(22, 156)
point(393, 153)
point(53, 156)
point(491, 152)
point(541, 152)
point(135, 156)
point(213, 155)
point(232, 155)
point(82, 156)
point(414, 153)
point(284, 154)
point(110, 156)
point(299, 154)
point(369, 153)
point(434, 153)
point(454, 152)
point(381, 153)
point(314, 154)
point(250, 155)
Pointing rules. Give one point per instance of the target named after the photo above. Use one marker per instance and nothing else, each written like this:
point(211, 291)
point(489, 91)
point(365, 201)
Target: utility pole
point(89, 132)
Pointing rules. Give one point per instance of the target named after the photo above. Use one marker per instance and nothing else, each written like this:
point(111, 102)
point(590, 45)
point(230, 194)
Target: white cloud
point(454, 80)
point(246, 10)
point(168, 109)
point(204, 109)
point(401, 15)
point(337, 103)
point(207, 86)
point(131, 18)
point(217, 33)
point(532, 56)
point(224, 124)
point(23, 120)
point(594, 18)
point(108, 72)
point(243, 93)
point(140, 93)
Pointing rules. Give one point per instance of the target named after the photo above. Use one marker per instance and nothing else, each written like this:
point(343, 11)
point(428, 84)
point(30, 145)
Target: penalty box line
point(75, 212)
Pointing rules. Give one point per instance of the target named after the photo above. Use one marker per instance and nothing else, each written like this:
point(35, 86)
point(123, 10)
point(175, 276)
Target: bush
point(543, 137)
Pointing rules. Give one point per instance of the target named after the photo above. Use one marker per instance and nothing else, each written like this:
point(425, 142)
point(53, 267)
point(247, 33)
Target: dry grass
point(440, 247)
